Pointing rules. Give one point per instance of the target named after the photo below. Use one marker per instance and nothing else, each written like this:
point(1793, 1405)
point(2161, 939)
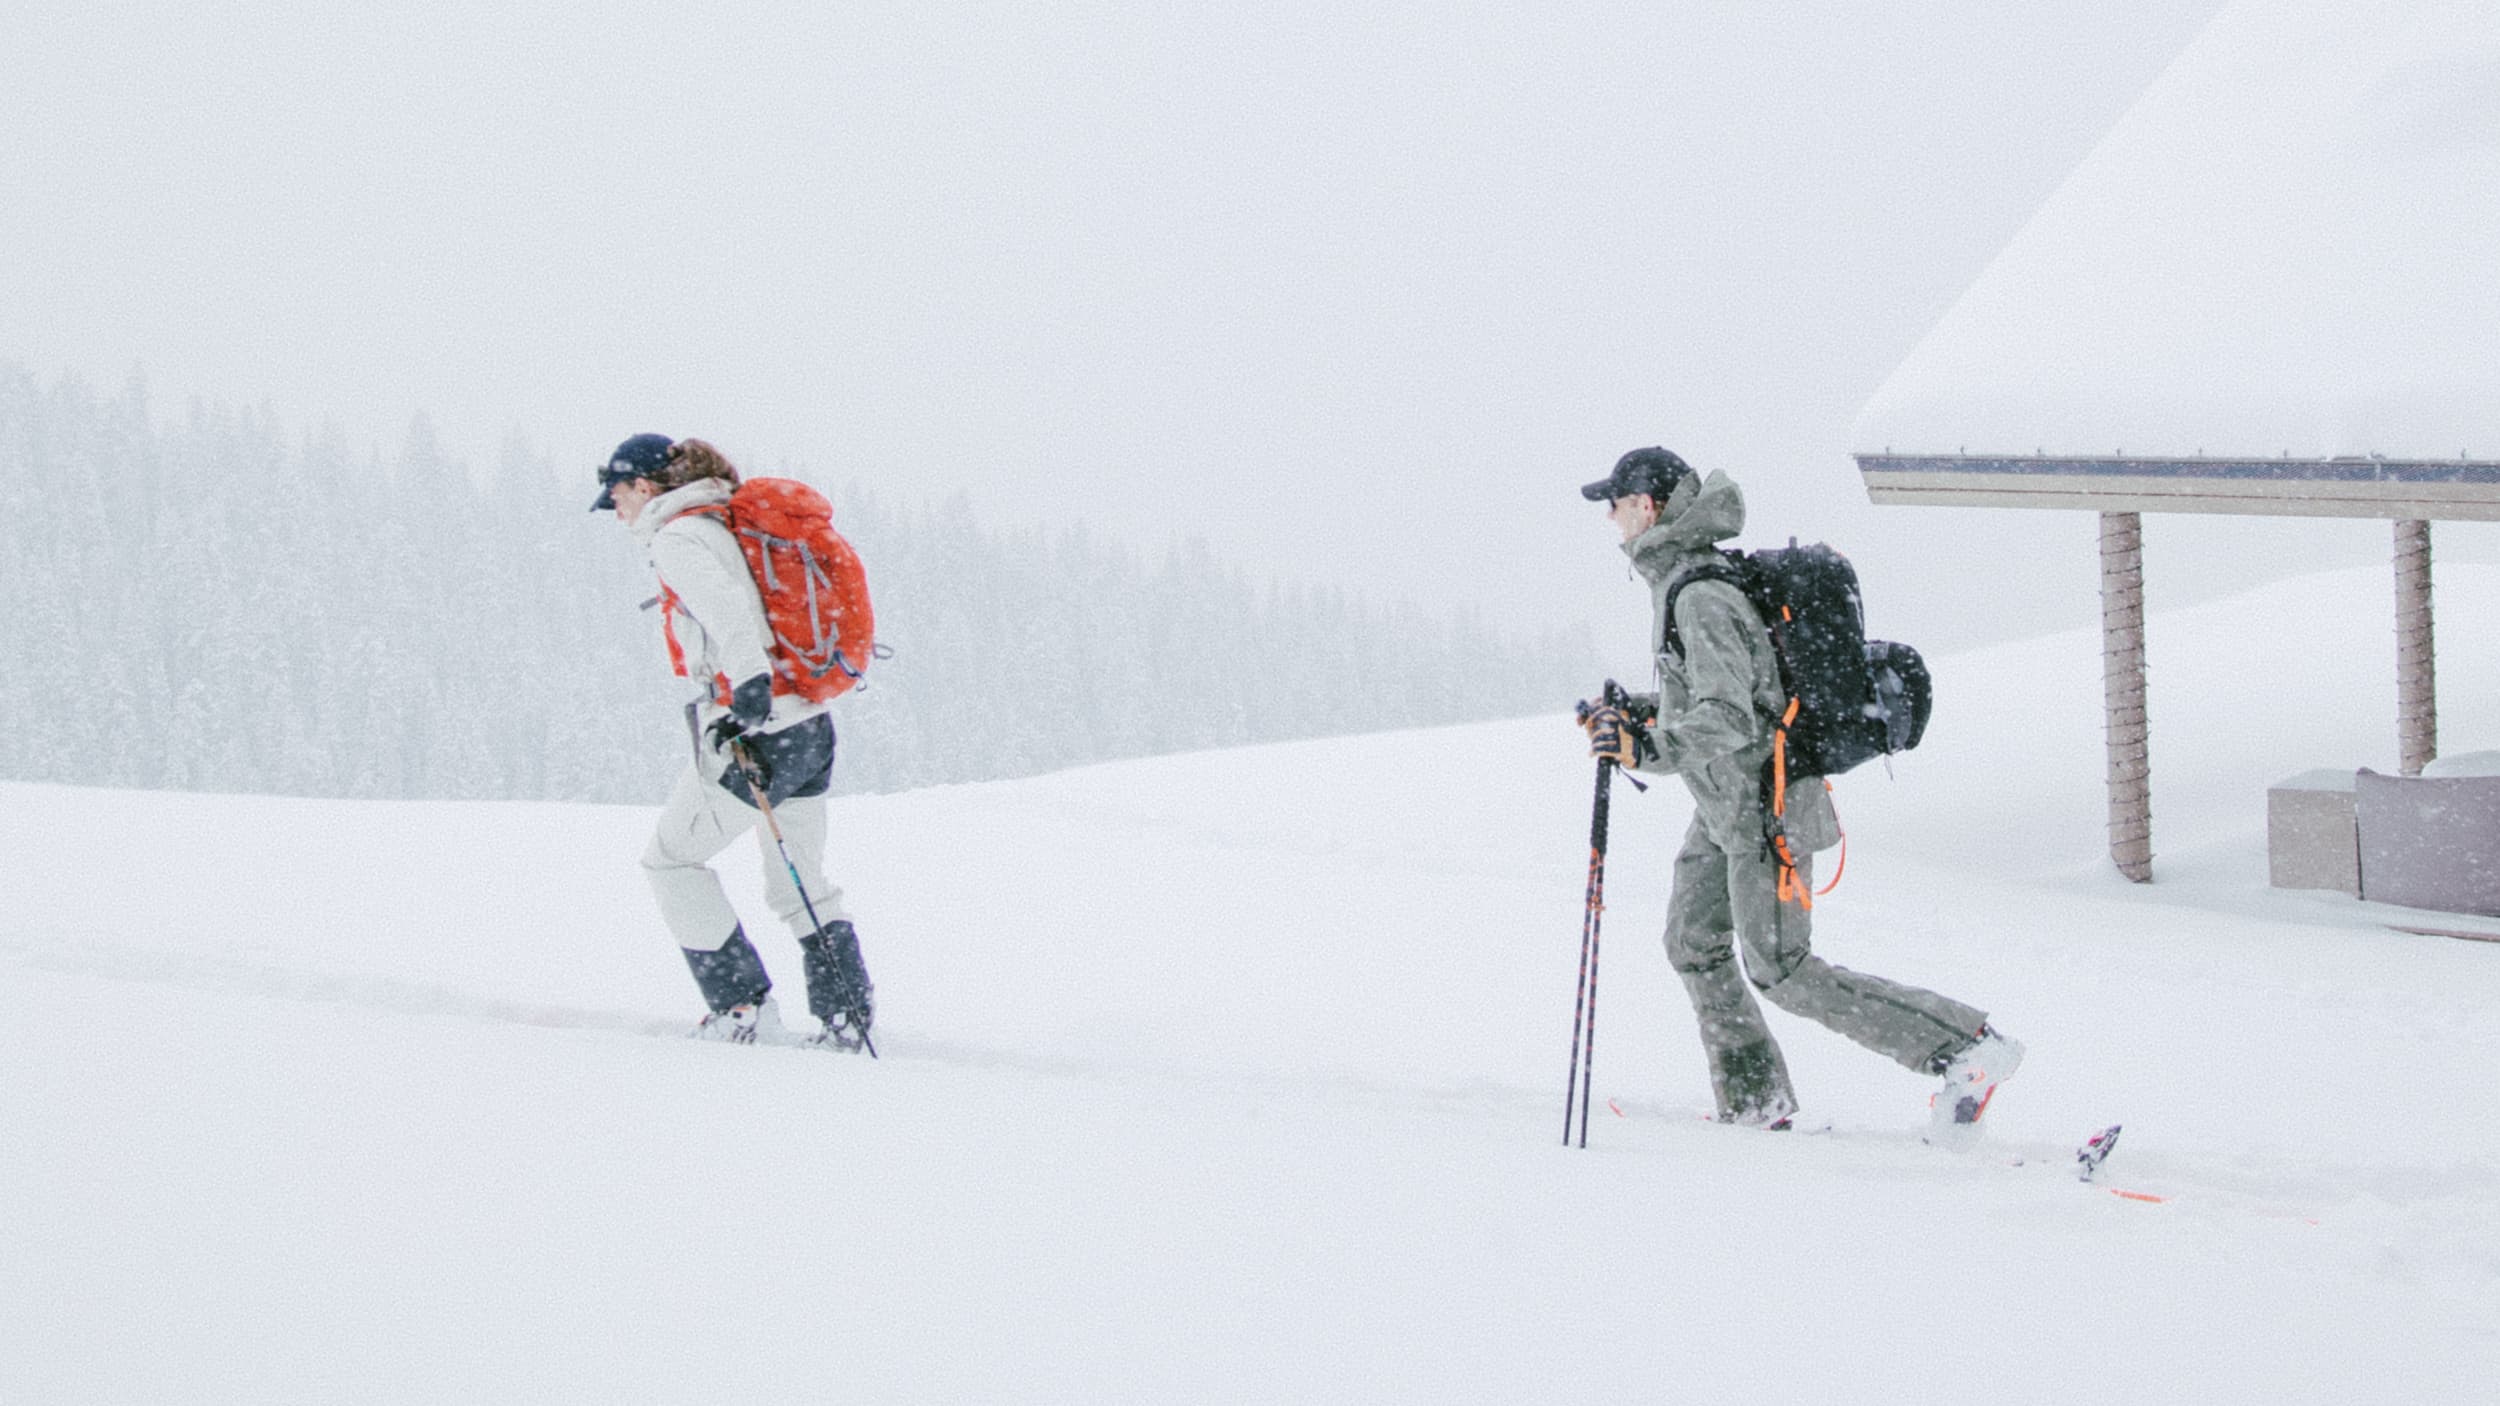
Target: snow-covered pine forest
point(216, 601)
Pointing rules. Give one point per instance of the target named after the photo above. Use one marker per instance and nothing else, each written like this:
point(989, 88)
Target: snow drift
point(1237, 1076)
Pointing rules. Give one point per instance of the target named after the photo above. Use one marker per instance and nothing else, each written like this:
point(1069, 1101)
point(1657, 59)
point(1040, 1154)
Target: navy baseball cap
point(1653, 471)
point(643, 456)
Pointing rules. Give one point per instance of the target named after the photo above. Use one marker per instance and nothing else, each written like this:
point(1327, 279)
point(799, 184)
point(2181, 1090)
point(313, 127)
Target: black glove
point(750, 706)
point(744, 756)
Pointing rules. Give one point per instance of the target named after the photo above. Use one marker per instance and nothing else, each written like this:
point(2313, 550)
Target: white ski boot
point(1970, 1081)
point(753, 1023)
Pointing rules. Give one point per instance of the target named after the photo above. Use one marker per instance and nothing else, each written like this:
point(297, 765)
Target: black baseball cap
point(1653, 471)
point(642, 456)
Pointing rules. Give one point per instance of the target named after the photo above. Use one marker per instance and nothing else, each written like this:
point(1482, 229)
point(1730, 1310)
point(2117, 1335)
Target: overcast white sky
point(1360, 291)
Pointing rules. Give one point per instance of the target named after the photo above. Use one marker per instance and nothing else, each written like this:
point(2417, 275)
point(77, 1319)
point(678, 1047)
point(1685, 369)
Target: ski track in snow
point(1236, 1076)
point(2196, 1185)
point(97, 956)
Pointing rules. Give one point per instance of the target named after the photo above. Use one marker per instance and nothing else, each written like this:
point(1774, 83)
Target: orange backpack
point(814, 589)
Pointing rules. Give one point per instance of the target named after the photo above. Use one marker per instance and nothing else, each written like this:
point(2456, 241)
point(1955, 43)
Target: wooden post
point(2122, 692)
point(2417, 686)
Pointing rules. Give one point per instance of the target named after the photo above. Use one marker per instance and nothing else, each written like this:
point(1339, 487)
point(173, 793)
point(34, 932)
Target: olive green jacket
point(1718, 701)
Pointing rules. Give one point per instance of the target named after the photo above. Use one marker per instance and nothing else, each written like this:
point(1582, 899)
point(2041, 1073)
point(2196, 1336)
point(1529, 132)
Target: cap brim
point(605, 502)
point(1602, 491)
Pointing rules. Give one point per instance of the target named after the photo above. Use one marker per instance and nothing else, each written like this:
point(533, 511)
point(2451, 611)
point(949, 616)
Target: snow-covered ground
point(1238, 1076)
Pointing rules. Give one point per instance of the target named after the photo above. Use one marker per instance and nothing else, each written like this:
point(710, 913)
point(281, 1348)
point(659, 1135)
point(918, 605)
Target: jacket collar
point(1713, 513)
point(702, 493)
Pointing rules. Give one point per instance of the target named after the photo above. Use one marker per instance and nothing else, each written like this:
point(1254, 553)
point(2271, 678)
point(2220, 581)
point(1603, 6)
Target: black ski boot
point(839, 992)
point(1751, 1082)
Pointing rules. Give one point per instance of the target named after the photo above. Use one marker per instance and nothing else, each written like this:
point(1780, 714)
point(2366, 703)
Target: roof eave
point(2363, 487)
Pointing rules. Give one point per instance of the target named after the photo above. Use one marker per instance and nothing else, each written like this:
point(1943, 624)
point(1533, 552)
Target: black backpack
point(1850, 698)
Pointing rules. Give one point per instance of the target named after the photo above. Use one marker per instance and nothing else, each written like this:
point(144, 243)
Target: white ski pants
point(699, 821)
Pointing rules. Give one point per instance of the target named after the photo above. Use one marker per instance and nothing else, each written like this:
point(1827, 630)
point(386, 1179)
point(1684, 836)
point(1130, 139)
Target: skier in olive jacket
point(669, 495)
point(1713, 714)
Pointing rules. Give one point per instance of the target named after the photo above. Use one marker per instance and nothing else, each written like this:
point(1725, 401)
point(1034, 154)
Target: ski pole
point(1582, 1084)
point(755, 786)
point(1584, 1000)
point(1583, 1081)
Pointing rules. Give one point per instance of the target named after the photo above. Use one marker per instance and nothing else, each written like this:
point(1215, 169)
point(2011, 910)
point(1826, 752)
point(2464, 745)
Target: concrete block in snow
point(2430, 841)
point(2311, 837)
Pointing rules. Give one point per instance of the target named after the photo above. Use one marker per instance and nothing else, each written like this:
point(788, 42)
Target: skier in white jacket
point(669, 495)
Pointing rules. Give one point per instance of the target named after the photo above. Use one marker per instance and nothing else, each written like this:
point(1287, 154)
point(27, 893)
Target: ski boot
point(747, 1023)
point(1774, 1113)
point(734, 985)
point(1970, 1081)
point(1751, 1085)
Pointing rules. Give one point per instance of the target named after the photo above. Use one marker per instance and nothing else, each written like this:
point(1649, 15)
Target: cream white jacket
point(715, 611)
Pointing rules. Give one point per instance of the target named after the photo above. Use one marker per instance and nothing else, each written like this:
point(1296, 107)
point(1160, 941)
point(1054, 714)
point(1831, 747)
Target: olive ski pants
point(1727, 898)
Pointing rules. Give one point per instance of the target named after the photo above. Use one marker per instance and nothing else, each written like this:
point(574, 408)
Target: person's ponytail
point(692, 459)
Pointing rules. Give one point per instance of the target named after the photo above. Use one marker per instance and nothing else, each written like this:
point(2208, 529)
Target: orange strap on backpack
point(1843, 866)
point(1791, 888)
point(1779, 760)
point(677, 652)
point(1790, 885)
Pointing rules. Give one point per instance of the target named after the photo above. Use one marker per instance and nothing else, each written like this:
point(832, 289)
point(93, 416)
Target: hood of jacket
point(1697, 517)
point(660, 511)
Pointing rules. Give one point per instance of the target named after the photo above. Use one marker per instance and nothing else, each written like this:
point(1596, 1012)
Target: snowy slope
point(1236, 1076)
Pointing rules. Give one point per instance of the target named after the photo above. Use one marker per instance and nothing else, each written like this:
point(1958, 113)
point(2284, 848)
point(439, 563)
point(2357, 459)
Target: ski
point(2089, 1155)
point(2461, 934)
point(2095, 1151)
point(1793, 1123)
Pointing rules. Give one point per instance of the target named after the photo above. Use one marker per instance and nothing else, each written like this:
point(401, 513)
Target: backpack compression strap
point(1792, 886)
point(828, 655)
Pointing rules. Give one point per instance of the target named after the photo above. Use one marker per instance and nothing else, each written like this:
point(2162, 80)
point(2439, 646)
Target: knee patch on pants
point(1686, 962)
point(1770, 984)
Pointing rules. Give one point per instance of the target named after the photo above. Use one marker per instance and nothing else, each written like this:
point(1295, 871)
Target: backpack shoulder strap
point(1724, 568)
